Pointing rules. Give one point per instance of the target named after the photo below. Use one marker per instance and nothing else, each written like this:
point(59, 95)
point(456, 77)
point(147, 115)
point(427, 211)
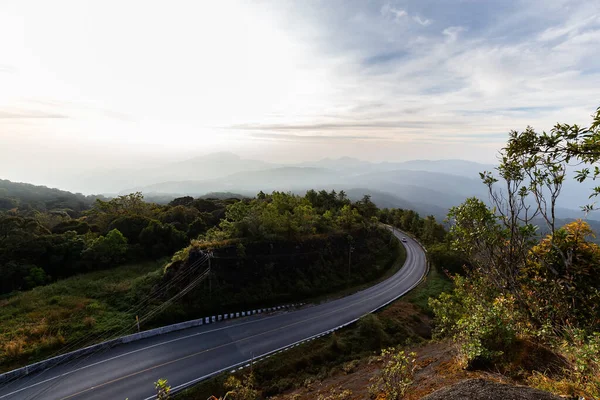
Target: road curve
point(183, 357)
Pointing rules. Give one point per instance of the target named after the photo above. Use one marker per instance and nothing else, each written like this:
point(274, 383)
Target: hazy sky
point(89, 83)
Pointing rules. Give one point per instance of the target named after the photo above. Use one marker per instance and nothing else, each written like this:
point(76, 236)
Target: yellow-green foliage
point(483, 322)
point(396, 374)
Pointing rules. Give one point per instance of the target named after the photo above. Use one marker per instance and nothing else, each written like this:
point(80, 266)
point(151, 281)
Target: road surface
point(129, 370)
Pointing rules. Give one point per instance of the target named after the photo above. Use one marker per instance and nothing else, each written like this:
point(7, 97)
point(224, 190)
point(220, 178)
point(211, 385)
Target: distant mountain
point(25, 196)
point(339, 164)
point(464, 168)
point(210, 166)
point(429, 187)
point(282, 179)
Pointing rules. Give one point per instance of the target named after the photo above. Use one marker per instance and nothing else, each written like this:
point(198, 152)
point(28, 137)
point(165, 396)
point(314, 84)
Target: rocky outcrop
point(481, 389)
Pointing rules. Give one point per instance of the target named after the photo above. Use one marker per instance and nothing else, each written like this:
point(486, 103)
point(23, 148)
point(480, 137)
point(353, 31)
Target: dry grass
point(37, 323)
point(14, 348)
point(89, 322)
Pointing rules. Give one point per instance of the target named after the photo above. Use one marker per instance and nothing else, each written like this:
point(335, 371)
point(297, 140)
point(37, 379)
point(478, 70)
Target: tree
point(80, 227)
point(130, 226)
point(182, 201)
point(106, 250)
point(564, 144)
point(349, 218)
point(161, 239)
point(565, 294)
point(367, 208)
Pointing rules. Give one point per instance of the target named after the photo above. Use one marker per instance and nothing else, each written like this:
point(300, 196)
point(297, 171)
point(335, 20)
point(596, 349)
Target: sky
point(104, 84)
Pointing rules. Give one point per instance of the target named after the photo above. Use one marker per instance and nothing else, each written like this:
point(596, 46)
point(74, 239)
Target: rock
point(481, 389)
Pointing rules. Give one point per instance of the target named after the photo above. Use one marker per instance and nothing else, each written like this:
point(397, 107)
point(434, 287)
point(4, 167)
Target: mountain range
point(427, 186)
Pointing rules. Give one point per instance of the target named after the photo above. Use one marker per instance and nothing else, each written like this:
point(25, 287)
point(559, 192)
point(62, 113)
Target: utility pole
point(350, 251)
point(138, 323)
point(210, 256)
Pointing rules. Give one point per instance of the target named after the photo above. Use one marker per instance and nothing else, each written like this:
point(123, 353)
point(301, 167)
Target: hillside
point(24, 196)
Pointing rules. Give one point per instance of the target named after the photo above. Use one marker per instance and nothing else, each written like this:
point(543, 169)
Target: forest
point(47, 234)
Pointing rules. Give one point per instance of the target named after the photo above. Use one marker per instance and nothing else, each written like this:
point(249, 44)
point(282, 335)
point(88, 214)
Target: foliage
point(163, 390)
point(396, 374)
point(483, 322)
point(27, 199)
point(520, 285)
point(241, 389)
point(561, 282)
point(63, 242)
point(547, 153)
point(258, 273)
point(583, 380)
point(106, 250)
point(336, 394)
point(447, 258)
point(427, 230)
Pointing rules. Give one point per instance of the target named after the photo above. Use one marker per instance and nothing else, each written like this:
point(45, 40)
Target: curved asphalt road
point(129, 370)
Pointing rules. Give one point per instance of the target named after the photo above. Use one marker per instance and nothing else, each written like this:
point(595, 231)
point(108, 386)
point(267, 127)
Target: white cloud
point(422, 21)
point(396, 13)
point(452, 32)
point(367, 69)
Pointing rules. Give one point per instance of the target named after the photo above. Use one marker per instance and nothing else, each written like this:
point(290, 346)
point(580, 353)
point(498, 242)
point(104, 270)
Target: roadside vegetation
point(72, 312)
point(528, 306)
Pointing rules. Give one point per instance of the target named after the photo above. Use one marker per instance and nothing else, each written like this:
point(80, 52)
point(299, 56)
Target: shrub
point(14, 348)
point(241, 389)
point(163, 390)
point(336, 394)
point(396, 374)
point(371, 330)
point(482, 322)
point(89, 322)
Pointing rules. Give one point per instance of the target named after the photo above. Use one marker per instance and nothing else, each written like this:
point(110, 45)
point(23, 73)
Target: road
point(129, 370)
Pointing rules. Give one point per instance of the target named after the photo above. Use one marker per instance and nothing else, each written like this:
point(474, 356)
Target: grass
point(402, 322)
point(82, 309)
point(433, 285)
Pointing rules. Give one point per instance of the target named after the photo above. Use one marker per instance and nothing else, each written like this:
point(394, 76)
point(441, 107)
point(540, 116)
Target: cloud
point(422, 21)
point(452, 32)
point(9, 69)
point(319, 72)
point(29, 114)
point(319, 138)
point(399, 14)
point(396, 13)
point(351, 125)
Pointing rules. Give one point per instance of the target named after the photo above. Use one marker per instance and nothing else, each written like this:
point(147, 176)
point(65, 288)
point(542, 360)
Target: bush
point(396, 374)
point(482, 322)
point(371, 330)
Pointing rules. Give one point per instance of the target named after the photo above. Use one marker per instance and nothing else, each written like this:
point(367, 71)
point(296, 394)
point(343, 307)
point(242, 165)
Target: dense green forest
point(48, 234)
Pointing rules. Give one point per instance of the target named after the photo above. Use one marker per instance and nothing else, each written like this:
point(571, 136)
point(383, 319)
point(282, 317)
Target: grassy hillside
point(72, 313)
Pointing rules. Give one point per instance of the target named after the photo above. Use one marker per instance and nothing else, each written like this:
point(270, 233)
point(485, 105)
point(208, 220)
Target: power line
point(152, 313)
point(144, 304)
